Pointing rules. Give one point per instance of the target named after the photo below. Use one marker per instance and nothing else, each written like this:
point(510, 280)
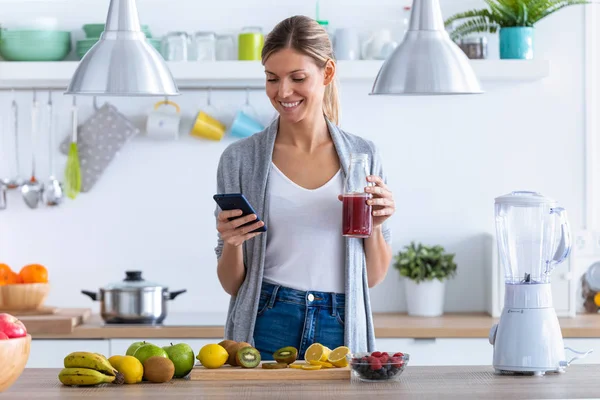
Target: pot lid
point(133, 280)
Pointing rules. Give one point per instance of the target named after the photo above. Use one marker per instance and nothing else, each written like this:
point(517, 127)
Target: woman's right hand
point(232, 231)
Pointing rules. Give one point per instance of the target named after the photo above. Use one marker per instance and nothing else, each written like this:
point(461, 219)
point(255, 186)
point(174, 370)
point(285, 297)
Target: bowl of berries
point(378, 365)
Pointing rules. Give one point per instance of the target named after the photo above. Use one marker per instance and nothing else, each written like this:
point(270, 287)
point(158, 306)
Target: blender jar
point(533, 236)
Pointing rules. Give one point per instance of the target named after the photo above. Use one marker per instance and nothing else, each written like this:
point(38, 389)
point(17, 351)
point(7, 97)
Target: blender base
point(528, 340)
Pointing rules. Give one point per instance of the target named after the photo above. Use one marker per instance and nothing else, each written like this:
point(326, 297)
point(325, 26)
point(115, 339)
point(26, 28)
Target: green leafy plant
point(424, 263)
point(506, 14)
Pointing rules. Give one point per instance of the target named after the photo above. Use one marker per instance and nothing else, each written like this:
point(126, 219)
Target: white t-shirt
point(305, 246)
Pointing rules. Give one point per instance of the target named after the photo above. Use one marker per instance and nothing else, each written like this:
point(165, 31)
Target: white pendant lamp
point(427, 62)
point(122, 62)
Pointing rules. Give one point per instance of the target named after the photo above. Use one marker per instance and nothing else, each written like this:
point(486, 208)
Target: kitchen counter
point(387, 325)
point(448, 382)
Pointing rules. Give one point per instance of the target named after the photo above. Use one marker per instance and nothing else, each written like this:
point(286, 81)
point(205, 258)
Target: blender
point(533, 237)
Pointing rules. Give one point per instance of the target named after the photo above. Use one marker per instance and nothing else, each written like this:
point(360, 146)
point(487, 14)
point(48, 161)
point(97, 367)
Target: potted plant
point(515, 19)
point(426, 270)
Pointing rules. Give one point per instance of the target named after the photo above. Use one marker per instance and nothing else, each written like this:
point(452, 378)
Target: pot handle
point(176, 293)
point(93, 296)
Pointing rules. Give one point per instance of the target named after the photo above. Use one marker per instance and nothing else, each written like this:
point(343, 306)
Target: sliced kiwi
point(232, 350)
point(274, 365)
point(286, 355)
point(248, 357)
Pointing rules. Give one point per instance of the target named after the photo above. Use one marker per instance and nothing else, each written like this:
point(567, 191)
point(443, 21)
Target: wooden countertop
point(393, 325)
point(448, 382)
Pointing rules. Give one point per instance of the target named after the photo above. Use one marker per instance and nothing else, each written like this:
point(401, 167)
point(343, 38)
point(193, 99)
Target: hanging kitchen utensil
point(72, 170)
point(53, 191)
point(101, 138)
point(15, 181)
point(33, 190)
point(133, 300)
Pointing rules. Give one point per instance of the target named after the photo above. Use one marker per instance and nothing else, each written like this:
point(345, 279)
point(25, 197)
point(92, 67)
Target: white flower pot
point(425, 299)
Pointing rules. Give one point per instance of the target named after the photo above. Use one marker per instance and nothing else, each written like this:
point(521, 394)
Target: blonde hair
point(306, 36)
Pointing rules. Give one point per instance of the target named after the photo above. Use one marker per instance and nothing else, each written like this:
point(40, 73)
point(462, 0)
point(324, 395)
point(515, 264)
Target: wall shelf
point(240, 74)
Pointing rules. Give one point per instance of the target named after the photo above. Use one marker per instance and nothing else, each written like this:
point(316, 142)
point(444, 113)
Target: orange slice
point(316, 352)
point(338, 356)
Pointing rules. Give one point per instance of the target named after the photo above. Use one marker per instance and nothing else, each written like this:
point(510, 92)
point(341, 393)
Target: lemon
point(115, 360)
point(212, 356)
point(131, 368)
point(338, 356)
point(311, 367)
point(597, 299)
point(316, 352)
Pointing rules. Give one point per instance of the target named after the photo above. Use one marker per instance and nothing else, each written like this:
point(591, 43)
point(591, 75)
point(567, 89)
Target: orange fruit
point(8, 276)
point(34, 273)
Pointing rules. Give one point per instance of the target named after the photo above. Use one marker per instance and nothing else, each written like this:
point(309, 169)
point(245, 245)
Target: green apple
point(182, 356)
point(148, 350)
point(133, 347)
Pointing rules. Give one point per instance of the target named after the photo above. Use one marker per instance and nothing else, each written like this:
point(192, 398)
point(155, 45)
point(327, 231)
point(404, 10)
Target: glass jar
point(475, 48)
point(175, 46)
point(250, 43)
point(204, 45)
point(225, 47)
point(357, 218)
point(590, 288)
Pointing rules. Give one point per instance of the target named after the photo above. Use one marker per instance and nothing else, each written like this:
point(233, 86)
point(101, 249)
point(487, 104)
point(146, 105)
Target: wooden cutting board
point(229, 373)
point(63, 321)
point(37, 311)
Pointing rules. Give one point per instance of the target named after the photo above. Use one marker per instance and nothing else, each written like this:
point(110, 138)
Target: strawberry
point(375, 364)
point(376, 354)
point(399, 354)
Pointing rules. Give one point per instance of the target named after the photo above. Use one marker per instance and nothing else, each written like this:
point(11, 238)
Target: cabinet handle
point(419, 339)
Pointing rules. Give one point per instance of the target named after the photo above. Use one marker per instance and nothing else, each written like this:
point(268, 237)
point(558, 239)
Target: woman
point(301, 282)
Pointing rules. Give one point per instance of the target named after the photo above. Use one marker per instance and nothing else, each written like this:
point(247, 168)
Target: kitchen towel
point(99, 140)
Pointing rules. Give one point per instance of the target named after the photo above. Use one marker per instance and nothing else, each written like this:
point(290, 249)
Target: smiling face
point(296, 84)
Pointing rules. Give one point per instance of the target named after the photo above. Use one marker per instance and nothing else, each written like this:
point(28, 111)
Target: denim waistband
point(308, 298)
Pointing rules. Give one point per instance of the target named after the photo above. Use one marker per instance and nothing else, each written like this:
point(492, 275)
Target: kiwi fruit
point(274, 365)
point(248, 357)
point(158, 369)
point(286, 355)
point(232, 351)
point(225, 343)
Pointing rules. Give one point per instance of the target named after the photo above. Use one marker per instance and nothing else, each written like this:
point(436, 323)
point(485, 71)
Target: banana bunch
point(87, 369)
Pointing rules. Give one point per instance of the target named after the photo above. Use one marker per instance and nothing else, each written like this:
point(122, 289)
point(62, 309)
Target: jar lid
point(133, 280)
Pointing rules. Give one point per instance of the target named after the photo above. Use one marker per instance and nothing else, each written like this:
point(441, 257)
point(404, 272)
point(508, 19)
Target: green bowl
point(34, 45)
point(95, 30)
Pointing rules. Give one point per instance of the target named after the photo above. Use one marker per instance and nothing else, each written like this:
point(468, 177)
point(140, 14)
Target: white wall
point(447, 158)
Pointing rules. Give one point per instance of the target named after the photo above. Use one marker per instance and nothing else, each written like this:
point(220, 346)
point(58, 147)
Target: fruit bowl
point(378, 366)
point(23, 296)
point(14, 354)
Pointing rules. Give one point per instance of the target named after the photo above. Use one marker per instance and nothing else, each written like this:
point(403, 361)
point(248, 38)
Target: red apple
point(3, 336)
point(11, 326)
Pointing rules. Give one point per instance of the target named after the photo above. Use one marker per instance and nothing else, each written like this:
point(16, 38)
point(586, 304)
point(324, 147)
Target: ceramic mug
point(346, 44)
point(164, 124)
point(207, 127)
point(244, 125)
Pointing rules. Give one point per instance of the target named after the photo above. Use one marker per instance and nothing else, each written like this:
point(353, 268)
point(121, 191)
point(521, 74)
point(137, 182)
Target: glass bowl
point(378, 365)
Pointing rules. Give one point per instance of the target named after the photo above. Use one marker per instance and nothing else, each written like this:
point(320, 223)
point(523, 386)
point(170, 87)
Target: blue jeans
point(289, 317)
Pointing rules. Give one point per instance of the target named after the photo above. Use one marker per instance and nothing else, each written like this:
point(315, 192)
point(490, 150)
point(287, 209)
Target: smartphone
point(237, 201)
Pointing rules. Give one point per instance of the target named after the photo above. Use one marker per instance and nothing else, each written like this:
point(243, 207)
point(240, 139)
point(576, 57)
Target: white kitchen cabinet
point(119, 346)
point(441, 351)
point(51, 353)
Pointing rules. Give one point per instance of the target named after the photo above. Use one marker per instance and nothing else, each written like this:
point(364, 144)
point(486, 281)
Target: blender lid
point(524, 197)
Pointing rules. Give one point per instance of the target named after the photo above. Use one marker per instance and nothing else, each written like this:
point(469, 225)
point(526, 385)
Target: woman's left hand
point(382, 201)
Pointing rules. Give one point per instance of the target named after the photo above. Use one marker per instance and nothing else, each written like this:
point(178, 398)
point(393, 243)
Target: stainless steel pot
point(133, 301)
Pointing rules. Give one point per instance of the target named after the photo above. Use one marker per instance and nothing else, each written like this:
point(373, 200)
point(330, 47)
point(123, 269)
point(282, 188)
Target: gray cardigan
point(244, 168)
